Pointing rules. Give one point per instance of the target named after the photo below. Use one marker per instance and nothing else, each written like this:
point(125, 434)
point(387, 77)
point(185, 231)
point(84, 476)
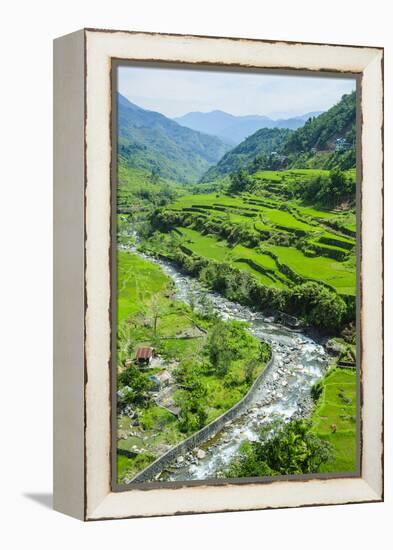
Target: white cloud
point(175, 92)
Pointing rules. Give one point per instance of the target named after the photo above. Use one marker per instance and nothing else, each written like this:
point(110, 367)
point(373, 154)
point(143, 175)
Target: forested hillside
point(263, 142)
point(314, 145)
point(153, 142)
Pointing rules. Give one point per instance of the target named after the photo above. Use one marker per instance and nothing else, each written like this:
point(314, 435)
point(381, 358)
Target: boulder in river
point(201, 454)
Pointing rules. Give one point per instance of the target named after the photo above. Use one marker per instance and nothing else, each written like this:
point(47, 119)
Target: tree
point(157, 309)
point(206, 306)
point(229, 341)
point(188, 377)
point(193, 414)
point(316, 390)
point(249, 370)
point(240, 181)
point(125, 341)
point(320, 306)
point(136, 387)
point(154, 176)
point(191, 301)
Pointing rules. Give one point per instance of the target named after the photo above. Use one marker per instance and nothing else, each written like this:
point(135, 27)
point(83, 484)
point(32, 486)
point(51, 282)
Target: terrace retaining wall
point(202, 435)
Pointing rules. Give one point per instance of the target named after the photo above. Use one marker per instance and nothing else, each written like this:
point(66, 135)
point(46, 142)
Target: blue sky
point(174, 92)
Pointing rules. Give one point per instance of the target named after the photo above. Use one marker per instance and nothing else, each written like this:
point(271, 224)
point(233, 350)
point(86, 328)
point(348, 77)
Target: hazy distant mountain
point(234, 129)
point(151, 141)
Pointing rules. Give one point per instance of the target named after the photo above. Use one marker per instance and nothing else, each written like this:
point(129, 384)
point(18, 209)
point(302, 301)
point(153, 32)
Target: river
point(298, 362)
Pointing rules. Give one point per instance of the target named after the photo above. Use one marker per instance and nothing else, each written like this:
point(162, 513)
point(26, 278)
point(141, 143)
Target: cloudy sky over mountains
point(174, 92)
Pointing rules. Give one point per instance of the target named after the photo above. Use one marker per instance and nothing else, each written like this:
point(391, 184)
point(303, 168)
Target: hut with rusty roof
point(144, 355)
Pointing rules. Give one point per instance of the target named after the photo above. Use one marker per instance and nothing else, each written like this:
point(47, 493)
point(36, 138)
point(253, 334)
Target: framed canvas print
point(218, 274)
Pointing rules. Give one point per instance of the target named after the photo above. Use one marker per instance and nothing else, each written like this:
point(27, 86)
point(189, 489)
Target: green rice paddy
point(335, 418)
point(332, 262)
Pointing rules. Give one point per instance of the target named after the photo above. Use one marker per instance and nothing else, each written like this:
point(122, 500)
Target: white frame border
point(100, 48)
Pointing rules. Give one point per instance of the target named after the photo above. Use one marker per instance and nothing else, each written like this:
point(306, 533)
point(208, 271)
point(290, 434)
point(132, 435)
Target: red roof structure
point(144, 354)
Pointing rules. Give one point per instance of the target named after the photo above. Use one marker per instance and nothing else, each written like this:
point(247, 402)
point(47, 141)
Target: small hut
point(160, 380)
point(144, 355)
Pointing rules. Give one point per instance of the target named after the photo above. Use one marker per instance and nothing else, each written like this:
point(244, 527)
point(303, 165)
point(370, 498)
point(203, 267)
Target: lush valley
point(271, 226)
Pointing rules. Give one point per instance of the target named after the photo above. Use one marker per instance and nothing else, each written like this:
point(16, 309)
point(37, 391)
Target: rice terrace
point(236, 280)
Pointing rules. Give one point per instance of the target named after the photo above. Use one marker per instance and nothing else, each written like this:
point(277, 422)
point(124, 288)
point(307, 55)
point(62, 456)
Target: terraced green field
point(267, 212)
point(296, 174)
point(336, 274)
point(210, 247)
point(337, 407)
point(325, 255)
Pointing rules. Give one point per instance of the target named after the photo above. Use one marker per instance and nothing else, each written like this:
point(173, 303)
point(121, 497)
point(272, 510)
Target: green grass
point(268, 209)
point(313, 212)
point(128, 467)
point(206, 245)
point(339, 275)
point(260, 226)
point(305, 174)
point(212, 248)
point(282, 175)
point(267, 218)
point(325, 246)
point(138, 281)
point(285, 219)
point(337, 405)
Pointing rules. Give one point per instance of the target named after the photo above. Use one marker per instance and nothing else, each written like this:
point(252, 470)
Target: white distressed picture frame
point(82, 241)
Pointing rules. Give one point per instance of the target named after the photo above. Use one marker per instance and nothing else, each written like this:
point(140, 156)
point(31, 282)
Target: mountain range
point(152, 142)
point(155, 143)
point(313, 145)
point(234, 129)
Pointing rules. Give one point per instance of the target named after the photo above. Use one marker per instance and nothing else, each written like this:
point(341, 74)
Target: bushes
point(240, 181)
point(327, 191)
point(318, 305)
point(134, 387)
point(167, 220)
point(228, 342)
point(193, 414)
